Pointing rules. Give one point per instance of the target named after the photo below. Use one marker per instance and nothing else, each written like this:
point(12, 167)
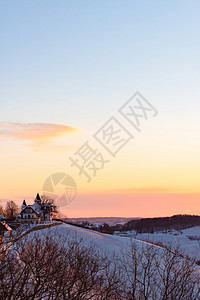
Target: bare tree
point(11, 210)
point(48, 205)
point(177, 276)
point(151, 272)
point(138, 267)
point(47, 267)
point(1, 210)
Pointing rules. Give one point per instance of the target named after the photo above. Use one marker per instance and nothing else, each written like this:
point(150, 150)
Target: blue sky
point(64, 61)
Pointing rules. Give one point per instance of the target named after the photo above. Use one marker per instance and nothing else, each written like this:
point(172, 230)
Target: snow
point(192, 231)
point(188, 246)
point(110, 244)
point(116, 247)
point(102, 243)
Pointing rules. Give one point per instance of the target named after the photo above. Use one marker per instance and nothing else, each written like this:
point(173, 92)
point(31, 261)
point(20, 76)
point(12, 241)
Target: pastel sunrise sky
point(66, 67)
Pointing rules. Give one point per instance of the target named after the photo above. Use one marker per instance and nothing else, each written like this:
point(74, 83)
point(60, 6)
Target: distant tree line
point(176, 222)
point(149, 225)
point(144, 225)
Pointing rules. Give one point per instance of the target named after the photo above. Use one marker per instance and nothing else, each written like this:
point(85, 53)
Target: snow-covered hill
point(102, 243)
point(130, 263)
point(187, 240)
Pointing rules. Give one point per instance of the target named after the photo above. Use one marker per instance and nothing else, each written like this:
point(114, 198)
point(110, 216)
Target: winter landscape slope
point(137, 267)
point(102, 243)
point(188, 240)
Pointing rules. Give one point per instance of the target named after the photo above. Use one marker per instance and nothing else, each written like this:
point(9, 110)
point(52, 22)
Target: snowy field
point(144, 268)
point(102, 243)
point(187, 240)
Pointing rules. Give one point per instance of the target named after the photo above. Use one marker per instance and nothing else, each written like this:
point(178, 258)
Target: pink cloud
point(37, 135)
point(33, 131)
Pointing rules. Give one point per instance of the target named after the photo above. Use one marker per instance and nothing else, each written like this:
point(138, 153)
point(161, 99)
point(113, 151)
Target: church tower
point(38, 199)
point(24, 205)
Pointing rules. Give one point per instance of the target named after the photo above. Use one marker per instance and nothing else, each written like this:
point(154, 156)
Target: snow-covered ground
point(102, 243)
point(117, 249)
point(192, 231)
point(187, 240)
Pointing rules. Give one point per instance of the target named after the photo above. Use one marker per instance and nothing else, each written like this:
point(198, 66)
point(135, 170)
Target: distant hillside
point(139, 225)
point(150, 225)
point(101, 220)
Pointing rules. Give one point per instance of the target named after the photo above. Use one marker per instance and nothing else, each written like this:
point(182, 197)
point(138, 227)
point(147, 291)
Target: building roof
point(29, 206)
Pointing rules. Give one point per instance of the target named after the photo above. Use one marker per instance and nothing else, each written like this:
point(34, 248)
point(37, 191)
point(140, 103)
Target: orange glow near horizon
point(137, 183)
point(132, 205)
point(128, 205)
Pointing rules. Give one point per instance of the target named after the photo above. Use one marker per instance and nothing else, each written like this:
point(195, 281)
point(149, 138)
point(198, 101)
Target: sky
point(66, 69)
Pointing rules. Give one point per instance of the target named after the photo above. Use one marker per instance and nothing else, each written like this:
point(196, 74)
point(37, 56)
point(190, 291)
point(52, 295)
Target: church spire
point(37, 199)
point(24, 204)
